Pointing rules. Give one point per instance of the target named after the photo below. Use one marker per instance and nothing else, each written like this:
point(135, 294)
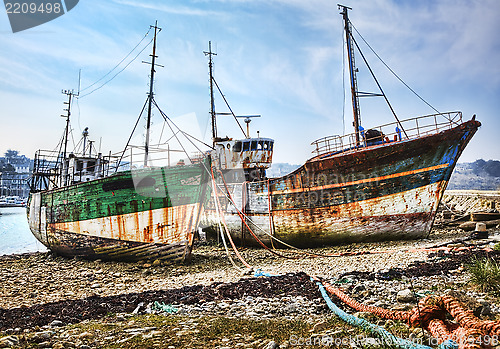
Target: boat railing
point(388, 133)
point(158, 156)
point(51, 169)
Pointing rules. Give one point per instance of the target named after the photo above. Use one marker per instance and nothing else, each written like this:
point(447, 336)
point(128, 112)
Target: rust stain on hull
point(153, 234)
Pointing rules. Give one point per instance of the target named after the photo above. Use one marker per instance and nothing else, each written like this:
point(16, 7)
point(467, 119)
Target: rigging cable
point(227, 104)
point(380, 87)
point(114, 76)
point(396, 75)
point(130, 138)
point(116, 66)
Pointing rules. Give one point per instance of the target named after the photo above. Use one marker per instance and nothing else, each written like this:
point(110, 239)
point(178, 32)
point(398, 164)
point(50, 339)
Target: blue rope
point(388, 338)
point(167, 308)
point(259, 273)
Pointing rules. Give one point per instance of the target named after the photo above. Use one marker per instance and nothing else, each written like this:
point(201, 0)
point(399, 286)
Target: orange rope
point(469, 332)
point(271, 228)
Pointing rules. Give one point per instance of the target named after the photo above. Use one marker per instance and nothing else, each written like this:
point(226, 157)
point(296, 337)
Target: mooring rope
point(242, 217)
point(469, 332)
point(388, 338)
point(226, 230)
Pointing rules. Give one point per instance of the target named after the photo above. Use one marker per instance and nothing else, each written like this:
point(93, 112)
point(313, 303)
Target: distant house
point(14, 173)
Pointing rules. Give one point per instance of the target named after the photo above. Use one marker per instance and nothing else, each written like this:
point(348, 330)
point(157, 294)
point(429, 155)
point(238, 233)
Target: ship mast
point(212, 102)
point(150, 95)
point(68, 114)
point(70, 95)
point(352, 72)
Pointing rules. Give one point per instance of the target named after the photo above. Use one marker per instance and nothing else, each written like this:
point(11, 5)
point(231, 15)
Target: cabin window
point(254, 145)
point(237, 147)
point(246, 146)
point(271, 146)
point(79, 166)
point(91, 166)
point(228, 146)
point(261, 145)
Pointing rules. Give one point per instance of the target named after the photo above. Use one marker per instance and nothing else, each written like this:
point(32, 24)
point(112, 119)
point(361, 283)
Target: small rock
point(85, 335)
point(290, 308)
point(319, 326)
point(485, 308)
point(405, 296)
point(357, 289)
point(42, 336)
point(9, 341)
point(271, 345)
point(56, 323)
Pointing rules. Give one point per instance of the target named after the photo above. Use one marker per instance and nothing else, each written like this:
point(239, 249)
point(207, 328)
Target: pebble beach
point(49, 301)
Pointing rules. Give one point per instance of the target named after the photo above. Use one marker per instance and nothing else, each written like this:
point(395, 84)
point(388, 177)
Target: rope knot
point(428, 309)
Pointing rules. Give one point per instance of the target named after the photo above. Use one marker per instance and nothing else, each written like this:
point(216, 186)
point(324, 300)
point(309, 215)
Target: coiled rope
point(469, 331)
point(388, 338)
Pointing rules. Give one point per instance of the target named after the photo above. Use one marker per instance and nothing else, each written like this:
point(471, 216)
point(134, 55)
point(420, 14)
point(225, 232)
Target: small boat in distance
point(381, 183)
point(87, 204)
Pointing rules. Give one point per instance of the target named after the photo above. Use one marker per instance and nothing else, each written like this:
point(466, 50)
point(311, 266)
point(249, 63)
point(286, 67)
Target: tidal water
point(15, 235)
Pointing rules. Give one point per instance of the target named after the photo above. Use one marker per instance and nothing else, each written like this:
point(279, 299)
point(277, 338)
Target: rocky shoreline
point(50, 302)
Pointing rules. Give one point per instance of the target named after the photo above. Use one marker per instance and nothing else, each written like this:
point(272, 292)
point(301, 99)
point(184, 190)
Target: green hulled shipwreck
point(83, 203)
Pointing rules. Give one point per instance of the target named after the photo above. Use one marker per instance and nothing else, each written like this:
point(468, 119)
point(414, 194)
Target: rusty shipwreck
point(382, 183)
point(83, 203)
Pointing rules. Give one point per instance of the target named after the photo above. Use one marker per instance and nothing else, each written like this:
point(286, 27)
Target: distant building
point(15, 171)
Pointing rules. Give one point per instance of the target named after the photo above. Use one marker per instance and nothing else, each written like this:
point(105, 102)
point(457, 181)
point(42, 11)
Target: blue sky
point(278, 58)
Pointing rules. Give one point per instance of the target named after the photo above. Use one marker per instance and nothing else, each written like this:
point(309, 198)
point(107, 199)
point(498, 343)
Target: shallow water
point(15, 235)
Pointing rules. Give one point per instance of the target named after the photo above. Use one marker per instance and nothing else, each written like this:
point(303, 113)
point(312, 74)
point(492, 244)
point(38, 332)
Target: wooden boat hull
point(381, 192)
point(135, 215)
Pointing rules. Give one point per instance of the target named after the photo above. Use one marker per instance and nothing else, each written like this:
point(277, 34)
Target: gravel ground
point(44, 297)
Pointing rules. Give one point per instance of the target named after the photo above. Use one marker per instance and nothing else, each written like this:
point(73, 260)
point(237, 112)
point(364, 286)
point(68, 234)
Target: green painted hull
point(147, 213)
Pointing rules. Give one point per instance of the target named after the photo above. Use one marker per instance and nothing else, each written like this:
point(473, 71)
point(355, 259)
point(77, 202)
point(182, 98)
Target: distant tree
point(11, 154)
point(477, 166)
point(492, 167)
